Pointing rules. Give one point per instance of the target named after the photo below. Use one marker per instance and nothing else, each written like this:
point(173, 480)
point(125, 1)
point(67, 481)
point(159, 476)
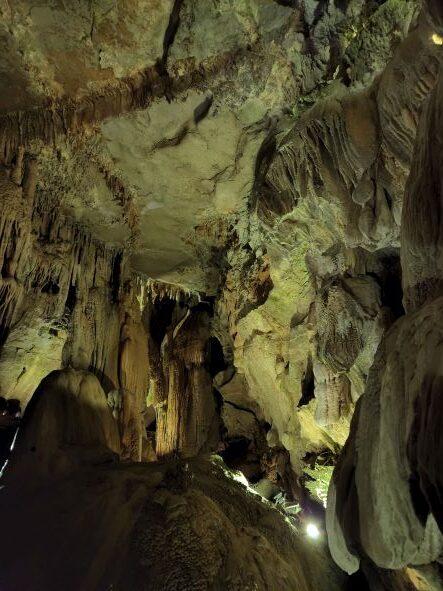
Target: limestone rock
point(386, 485)
point(159, 526)
point(382, 489)
point(63, 49)
point(68, 423)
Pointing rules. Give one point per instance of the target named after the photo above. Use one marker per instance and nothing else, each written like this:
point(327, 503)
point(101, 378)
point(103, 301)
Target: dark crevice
point(345, 77)
point(308, 384)
point(320, 11)
point(335, 58)
point(390, 280)
point(341, 5)
point(173, 141)
point(419, 502)
point(171, 30)
point(162, 64)
point(161, 318)
point(236, 452)
point(206, 305)
point(215, 361)
point(152, 426)
point(202, 109)
point(108, 384)
point(4, 332)
point(388, 198)
point(287, 3)
point(262, 162)
point(71, 299)
point(306, 32)
point(50, 287)
point(357, 582)
point(238, 407)
point(218, 401)
point(323, 458)
point(116, 276)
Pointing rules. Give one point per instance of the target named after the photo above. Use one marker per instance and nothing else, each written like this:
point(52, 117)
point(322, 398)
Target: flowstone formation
point(177, 525)
point(219, 234)
point(395, 432)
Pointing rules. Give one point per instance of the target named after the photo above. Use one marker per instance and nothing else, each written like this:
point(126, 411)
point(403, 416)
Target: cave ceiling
point(149, 131)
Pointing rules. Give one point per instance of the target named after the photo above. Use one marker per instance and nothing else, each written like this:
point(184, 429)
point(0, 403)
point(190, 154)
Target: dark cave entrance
point(215, 360)
point(236, 452)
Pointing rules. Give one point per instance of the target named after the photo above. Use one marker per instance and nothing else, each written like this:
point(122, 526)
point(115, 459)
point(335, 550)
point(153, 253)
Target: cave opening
point(115, 280)
point(236, 452)
point(161, 318)
point(389, 276)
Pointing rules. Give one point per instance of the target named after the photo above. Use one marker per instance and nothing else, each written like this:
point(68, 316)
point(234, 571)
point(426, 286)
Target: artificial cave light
point(312, 531)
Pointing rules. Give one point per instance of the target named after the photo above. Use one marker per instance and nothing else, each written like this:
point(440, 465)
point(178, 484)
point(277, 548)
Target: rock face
point(149, 532)
point(165, 526)
point(387, 484)
point(213, 219)
point(183, 386)
point(68, 417)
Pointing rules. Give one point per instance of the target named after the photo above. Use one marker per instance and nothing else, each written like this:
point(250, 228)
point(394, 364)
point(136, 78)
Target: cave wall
point(327, 232)
point(88, 197)
point(386, 485)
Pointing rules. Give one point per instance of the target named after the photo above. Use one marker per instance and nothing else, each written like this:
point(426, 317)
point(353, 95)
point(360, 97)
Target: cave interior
point(221, 295)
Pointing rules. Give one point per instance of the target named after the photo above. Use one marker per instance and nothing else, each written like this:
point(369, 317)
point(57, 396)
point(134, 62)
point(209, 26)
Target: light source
point(312, 531)
point(437, 39)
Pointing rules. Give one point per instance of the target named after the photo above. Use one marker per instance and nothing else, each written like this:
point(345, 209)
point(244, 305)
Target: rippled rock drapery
point(387, 485)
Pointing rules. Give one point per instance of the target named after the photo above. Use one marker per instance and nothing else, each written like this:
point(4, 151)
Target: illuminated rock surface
point(214, 217)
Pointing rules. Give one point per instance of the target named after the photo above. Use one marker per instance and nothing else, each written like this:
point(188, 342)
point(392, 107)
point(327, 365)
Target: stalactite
point(44, 259)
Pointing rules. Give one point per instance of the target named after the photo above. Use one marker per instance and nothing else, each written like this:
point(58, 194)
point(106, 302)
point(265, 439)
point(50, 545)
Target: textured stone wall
point(386, 486)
